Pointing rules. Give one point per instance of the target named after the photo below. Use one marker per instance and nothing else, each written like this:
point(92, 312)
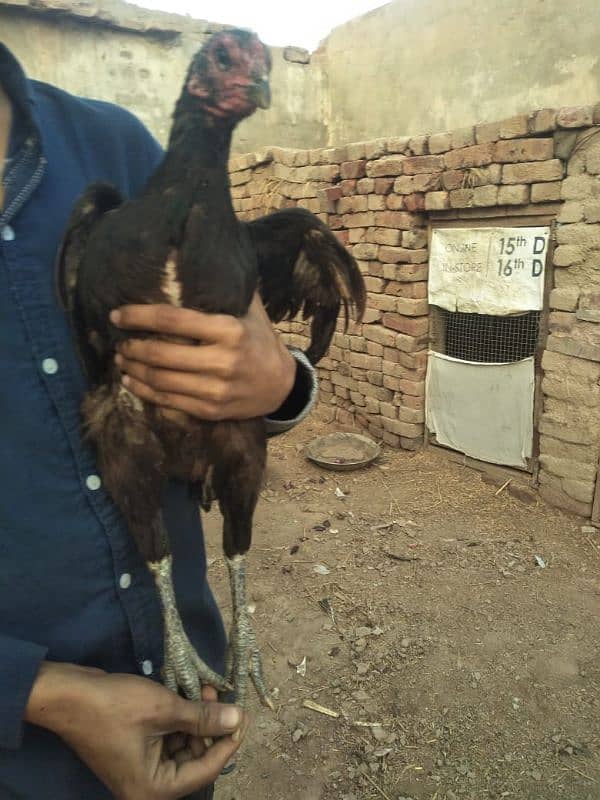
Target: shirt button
point(93, 482)
point(125, 580)
point(8, 233)
point(50, 366)
point(147, 668)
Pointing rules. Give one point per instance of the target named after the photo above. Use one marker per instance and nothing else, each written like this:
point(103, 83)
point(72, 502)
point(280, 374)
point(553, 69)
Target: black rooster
point(180, 242)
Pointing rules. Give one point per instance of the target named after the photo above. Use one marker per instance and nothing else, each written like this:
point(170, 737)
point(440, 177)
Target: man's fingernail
point(231, 717)
point(118, 359)
point(115, 317)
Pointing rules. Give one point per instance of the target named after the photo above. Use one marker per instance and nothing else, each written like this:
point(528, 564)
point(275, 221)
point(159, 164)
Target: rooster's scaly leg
point(244, 656)
point(183, 667)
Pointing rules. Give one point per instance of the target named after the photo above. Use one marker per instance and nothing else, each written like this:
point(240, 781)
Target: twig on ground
point(320, 709)
point(379, 789)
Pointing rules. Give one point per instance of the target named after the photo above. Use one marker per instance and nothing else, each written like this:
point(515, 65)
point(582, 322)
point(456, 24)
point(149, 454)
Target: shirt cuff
point(301, 399)
point(19, 665)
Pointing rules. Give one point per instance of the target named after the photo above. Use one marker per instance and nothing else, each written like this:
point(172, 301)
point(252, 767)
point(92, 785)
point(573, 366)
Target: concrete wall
point(409, 67)
point(138, 58)
point(418, 66)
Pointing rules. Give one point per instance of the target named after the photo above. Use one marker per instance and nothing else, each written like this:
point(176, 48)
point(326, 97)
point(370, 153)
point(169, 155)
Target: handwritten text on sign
point(488, 270)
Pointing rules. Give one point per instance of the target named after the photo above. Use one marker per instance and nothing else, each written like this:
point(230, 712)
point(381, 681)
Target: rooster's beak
point(260, 93)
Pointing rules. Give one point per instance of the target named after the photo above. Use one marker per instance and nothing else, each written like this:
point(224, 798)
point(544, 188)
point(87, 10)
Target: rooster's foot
point(184, 671)
point(243, 656)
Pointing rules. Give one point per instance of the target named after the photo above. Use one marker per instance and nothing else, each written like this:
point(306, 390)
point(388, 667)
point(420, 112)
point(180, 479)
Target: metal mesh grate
point(485, 338)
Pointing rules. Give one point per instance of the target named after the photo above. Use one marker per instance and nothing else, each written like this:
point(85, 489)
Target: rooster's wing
point(303, 267)
point(97, 200)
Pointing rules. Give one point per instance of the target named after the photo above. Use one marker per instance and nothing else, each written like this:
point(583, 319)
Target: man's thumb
point(208, 719)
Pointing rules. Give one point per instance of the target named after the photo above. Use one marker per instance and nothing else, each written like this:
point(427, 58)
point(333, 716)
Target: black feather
point(97, 200)
point(304, 268)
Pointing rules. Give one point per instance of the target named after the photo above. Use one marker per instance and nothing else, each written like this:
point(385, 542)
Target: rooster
point(180, 242)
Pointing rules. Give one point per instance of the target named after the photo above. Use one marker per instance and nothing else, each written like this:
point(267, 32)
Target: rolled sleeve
point(19, 665)
point(301, 399)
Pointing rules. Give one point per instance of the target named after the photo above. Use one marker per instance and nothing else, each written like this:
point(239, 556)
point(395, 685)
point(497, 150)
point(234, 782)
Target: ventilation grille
point(485, 338)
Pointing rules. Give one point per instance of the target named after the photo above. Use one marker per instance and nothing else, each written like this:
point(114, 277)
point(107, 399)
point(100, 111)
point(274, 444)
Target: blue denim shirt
point(72, 585)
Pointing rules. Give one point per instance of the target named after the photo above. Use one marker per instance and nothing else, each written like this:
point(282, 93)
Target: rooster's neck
point(198, 148)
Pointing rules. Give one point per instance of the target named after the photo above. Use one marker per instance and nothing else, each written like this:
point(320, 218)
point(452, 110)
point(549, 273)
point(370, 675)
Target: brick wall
point(379, 197)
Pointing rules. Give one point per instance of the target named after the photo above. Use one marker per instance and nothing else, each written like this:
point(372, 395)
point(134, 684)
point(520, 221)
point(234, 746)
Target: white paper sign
point(496, 271)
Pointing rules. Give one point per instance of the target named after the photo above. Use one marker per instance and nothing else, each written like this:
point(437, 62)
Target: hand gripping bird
point(180, 242)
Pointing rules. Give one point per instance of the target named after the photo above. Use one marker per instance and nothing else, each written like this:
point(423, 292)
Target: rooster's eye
point(223, 59)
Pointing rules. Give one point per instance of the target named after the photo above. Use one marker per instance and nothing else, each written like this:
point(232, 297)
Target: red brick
point(479, 155)
point(392, 165)
point(374, 349)
point(403, 428)
point(514, 150)
point(356, 235)
point(514, 127)
point(374, 284)
point(405, 272)
point(394, 255)
point(385, 236)
point(412, 401)
point(348, 188)
point(375, 269)
point(487, 132)
point(408, 184)
point(383, 185)
point(416, 360)
point(437, 201)
point(379, 335)
point(363, 220)
point(397, 219)
point(413, 415)
point(412, 307)
point(391, 382)
point(414, 202)
point(392, 353)
point(353, 169)
point(376, 202)
point(410, 344)
point(365, 251)
point(414, 388)
point(416, 290)
point(412, 444)
point(417, 164)
point(395, 202)
point(545, 192)
point(575, 117)
point(365, 186)
point(412, 326)
point(533, 172)
point(463, 137)
point(381, 302)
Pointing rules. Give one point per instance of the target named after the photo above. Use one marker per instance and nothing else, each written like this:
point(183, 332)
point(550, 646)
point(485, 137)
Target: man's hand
point(231, 369)
point(140, 739)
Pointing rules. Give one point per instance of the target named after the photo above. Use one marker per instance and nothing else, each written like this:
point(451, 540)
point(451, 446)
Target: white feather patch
point(171, 285)
point(128, 398)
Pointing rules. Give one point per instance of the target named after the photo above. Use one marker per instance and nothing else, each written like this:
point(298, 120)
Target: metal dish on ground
point(342, 451)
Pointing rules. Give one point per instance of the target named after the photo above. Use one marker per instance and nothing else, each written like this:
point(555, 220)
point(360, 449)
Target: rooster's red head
point(229, 76)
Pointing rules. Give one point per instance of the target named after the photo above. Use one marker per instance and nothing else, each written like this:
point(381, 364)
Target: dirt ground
point(453, 631)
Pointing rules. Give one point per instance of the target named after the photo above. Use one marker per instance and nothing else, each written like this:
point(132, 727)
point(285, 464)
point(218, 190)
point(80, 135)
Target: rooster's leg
point(244, 656)
point(183, 668)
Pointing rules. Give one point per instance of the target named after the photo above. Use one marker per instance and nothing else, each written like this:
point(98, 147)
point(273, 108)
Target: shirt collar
point(16, 84)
